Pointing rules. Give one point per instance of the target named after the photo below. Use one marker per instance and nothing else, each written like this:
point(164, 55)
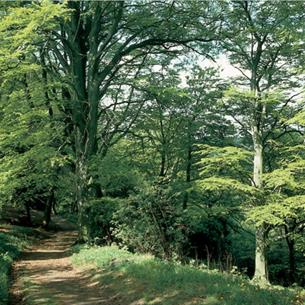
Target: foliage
point(115, 176)
point(30, 131)
point(151, 222)
point(279, 210)
point(224, 176)
point(100, 214)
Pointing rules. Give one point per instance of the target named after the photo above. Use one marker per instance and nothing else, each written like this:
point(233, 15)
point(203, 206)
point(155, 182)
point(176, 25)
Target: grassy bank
point(141, 280)
point(12, 240)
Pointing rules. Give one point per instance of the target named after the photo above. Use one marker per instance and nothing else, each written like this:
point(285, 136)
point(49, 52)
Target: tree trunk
point(187, 175)
point(291, 254)
point(258, 159)
point(261, 273)
point(81, 189)
point(85, 94)
point(163, 163)
point(86, 147)
point(28, 213)
point(292, 265)
point(48, 210)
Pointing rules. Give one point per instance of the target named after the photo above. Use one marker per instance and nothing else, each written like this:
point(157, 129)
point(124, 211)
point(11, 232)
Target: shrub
point(100, 214)
point(151, 222)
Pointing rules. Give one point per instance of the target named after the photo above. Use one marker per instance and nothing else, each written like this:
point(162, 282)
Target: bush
point(100, 214)
point(151, 222)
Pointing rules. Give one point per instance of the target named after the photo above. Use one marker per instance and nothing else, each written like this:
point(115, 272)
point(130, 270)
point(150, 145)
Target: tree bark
point(187, 174)
point(292, 265)
point(261, 272)
point(81, 174)
point(162, 164)
point(291, 254)
point(28, 213)
point(48, 209)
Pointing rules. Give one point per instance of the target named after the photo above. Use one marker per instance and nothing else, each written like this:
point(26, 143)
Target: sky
point(226, 70)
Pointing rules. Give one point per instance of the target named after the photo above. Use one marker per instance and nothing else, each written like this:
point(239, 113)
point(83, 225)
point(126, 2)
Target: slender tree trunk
point(54, 207)
point(187, 174)
point(258, 159)
point(261, 273)
point(163, 164)
point(291, 254)
point(48, 209)
point(28, 213)
point(292, 265)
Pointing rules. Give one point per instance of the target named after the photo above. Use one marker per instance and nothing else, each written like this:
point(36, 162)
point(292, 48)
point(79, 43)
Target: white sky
point(222, 64)
point(226, 70)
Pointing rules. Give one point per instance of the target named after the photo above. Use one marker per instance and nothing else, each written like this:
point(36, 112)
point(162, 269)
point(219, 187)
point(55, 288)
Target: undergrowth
point(12, 240)
point(147, 280)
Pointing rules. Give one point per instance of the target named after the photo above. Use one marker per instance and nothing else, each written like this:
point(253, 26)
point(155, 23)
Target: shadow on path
point(44, 275)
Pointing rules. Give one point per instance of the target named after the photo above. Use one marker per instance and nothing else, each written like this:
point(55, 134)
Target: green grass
point(12, 240)
point(145, 280)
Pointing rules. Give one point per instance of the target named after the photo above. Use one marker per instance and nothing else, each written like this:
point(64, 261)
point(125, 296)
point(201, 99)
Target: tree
point(260, 45)
point(29, 155)
point(284, 189)
point(101, 42)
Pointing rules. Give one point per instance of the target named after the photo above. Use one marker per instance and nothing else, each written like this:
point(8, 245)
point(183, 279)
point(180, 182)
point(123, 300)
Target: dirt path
point(44, 275)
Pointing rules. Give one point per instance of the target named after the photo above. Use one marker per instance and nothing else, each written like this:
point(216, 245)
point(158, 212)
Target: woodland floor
point(44, 275)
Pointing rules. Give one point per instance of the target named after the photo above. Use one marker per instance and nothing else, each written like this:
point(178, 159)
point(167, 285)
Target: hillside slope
point(143, 280)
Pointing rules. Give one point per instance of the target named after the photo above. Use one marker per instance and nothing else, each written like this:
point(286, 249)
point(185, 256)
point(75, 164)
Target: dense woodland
point(118, 115)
